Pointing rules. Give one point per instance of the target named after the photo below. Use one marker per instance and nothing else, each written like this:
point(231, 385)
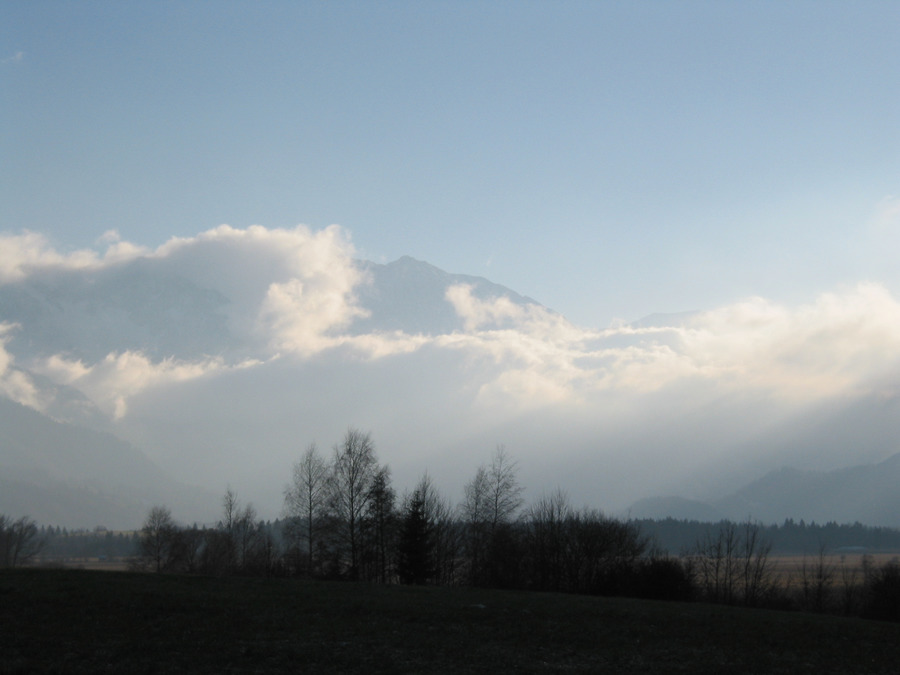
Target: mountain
point(65, 475)
point(147, 306)
point(215, 360)
point(865, 493)
point(67, 465)
point(138, 306)
point(409, 295)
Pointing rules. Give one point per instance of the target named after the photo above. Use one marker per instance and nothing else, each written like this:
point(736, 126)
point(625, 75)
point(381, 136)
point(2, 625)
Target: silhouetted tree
point(882, 585)
point(243, 531)
point(490, 503)
point(379, 526)
point(445, 532)
point(732, 563)
point(158, 538)
point(19, 541)
point(305, 500)
point(545, 533)
point(416, 545)
point(353, 470)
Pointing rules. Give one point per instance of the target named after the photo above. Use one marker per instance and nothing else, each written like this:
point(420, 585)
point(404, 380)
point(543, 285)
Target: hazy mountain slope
point(139, 306)
point(410, 295)
point(74, 477)
point(142, 305)
point(224, 355)
point(866, 493)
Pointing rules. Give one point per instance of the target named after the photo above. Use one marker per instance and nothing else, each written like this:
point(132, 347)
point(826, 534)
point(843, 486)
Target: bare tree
point(158, 537)
point(715, 559)
point(241, 528)
point(19, 541)
point(545, 539)
point(475, 516)
point(490, 503)
point(599, 551)
point(733, 564)
point(305, 499)
point(816, 580)
point(755, 567)
point(353, 470)
point(504, 492)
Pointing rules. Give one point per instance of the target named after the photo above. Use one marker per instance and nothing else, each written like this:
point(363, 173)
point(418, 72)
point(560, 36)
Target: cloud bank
point(291, 291)
point(289, 299)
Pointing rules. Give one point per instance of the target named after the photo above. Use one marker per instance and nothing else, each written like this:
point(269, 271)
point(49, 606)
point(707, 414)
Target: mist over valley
point(168, 374)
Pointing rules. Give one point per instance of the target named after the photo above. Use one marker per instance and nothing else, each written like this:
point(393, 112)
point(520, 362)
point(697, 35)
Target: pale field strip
point(790, 567)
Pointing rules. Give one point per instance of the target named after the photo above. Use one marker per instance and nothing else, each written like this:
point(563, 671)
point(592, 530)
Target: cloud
point(291, 292)
point(29, 252)
point(118, 377)
point(840, 344)
point(15, 384)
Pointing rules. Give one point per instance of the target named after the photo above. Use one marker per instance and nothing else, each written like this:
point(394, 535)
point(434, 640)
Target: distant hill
point(866, 493)
point(65, 475)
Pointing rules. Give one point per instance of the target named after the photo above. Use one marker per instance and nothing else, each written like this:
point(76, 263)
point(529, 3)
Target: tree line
point(344, 519)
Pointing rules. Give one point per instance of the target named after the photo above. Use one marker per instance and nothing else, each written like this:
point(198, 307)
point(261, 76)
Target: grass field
point(82, 621)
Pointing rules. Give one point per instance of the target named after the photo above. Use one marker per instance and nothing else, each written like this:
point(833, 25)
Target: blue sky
point(608, 159)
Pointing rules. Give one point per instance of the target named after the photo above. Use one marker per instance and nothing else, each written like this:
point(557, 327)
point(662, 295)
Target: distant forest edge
point(343, 519)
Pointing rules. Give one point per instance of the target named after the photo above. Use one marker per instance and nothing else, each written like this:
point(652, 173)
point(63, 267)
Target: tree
point(380, 525)
point(243, 532)
point(416, 545)
point(816, 580)
point(733, 564)
point(305, 499)
point(475, 516)
point(491, 501)
point(545, 540)
point(19, 541)
point(600, 552)
point(503, 490)
point(352, 473)
point(444, 532)
point(157, 538)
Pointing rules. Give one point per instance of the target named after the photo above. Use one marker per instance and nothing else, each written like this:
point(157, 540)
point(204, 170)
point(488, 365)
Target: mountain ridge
point(866, 493)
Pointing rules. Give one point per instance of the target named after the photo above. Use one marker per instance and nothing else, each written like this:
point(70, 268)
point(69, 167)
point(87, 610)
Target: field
point(83, 621)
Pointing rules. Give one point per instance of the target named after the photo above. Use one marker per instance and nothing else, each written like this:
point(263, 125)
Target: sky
point(608, 159)
point(611, 160)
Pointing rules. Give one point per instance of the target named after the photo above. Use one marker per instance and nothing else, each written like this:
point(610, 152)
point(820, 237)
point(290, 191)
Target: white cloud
point(840, 344)
point(112, 381)
point(14, 384)
point(22, 254)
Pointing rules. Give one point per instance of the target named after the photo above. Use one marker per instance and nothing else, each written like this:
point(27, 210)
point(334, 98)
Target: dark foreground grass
point(76, 621)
